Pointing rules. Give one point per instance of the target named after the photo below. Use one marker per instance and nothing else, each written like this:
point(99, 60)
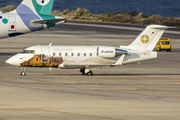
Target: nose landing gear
point(23, 71)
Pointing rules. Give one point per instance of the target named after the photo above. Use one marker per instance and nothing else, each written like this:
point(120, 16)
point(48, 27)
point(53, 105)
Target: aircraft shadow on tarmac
point(130, 74)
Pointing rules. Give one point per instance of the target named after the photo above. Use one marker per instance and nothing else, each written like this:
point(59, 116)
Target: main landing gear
point(86, 72)
point(23, 71)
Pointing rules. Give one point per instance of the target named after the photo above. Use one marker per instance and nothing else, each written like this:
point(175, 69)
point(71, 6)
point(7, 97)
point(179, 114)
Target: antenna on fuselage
point(50, 44)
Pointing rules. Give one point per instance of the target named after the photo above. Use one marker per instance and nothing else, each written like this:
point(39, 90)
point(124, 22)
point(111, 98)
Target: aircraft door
point(45, 51)
point(45, 57)
point(12, 23)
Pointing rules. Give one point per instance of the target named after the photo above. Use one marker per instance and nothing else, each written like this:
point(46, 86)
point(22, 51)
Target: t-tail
point(41, 10)
point(148, 38)
point(29, 16)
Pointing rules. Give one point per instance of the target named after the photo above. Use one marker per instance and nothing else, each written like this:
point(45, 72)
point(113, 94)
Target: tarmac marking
point(55, 111)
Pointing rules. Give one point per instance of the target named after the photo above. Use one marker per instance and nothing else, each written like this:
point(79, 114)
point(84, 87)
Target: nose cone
point(14, 61)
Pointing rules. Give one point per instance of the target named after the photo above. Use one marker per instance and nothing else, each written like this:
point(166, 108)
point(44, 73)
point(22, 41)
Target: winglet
point(120, 61)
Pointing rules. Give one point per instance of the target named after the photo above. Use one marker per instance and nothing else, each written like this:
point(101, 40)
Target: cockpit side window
point(28, 51)
point(24, 51)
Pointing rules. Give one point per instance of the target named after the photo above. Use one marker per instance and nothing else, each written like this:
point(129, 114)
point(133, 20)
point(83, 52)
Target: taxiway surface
point(146, 91)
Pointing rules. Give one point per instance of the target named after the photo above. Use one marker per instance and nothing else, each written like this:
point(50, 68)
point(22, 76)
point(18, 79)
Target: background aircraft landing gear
point(23, 71)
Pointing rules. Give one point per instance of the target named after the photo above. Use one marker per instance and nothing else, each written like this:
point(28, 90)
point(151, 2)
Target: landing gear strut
point(23, 71)
point(82, 71)
point(86, 72)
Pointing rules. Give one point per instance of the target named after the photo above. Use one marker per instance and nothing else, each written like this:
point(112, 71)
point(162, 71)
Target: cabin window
point(90, 54)
point(60, 54)
point(78, 54)
point(54, 54)
point(84, 54)
point(66, 54)
point(28, 51)
point(72, 54)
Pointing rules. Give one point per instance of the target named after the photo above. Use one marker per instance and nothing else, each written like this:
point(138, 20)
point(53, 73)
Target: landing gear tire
point(90, 73)
point(23, 73)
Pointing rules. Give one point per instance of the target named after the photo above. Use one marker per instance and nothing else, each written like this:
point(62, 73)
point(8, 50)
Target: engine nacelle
point(106, 52)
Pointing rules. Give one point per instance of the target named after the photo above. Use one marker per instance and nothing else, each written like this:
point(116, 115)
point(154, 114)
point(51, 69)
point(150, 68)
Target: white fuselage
point(76, 56)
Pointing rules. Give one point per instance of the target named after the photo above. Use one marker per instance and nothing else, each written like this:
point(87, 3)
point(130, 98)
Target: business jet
point(87, 58)
point(29, 16)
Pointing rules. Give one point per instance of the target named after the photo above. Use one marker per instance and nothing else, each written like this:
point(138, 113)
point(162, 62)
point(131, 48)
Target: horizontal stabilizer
point(37, 23)
point(161, 27)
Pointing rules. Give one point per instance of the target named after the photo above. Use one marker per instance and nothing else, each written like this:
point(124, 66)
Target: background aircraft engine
point(106, 52)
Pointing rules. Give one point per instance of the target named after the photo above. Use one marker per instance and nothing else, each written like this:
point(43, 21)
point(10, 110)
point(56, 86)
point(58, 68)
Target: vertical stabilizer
point(37, 6)
point(148, 39)
point(46, 9)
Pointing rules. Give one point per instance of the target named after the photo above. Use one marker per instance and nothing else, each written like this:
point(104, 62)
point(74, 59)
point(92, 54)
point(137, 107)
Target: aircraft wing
point(95, 66)
point(90, 66)
point(37, 23)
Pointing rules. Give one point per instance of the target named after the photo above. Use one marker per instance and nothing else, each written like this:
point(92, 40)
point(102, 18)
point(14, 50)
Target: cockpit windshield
point(28, 51)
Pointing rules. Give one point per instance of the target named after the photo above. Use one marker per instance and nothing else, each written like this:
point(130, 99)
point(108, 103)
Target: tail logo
point(42, 2)
point(145, 39)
